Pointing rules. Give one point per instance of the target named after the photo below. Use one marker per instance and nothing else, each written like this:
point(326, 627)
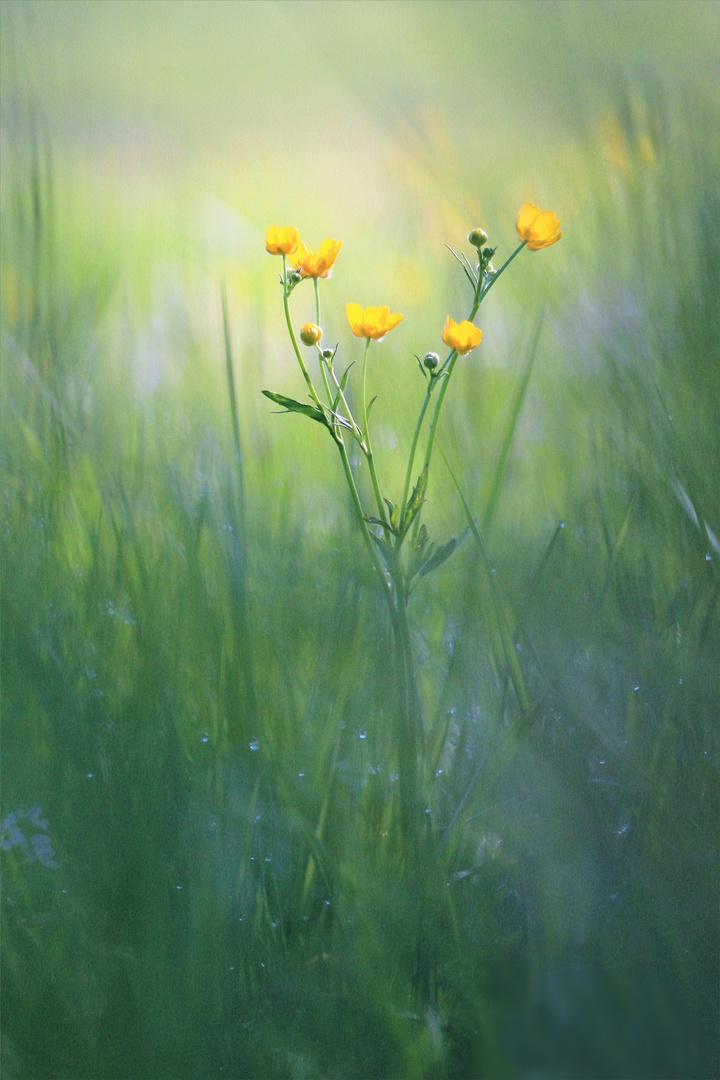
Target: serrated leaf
point(291, 405)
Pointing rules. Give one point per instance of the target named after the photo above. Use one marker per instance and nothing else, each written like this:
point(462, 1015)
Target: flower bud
point(310, 334)
point(478, 238)
point(328, 354)
point(431, 360)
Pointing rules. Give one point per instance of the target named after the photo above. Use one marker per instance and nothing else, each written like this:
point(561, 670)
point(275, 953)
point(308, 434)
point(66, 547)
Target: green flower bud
point(431, 360)
point(328, 354)
point(478, 238)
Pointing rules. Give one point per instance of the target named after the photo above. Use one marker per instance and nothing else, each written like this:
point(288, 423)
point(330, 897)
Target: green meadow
point(213, 864)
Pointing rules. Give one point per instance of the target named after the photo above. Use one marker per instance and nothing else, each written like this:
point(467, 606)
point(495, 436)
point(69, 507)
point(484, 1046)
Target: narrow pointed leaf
point(442, 554)
point(416, 500)
point(515, 410)
point(291, 405)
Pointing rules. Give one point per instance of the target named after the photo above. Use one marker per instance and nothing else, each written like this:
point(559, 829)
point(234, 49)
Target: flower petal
point(526, 215)
point(356, 317)
point(282, 240)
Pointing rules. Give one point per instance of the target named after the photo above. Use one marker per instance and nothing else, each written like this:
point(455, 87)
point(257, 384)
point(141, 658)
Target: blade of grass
point(513, 418)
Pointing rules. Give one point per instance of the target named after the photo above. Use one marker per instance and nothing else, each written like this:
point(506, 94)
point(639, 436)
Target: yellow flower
point(371, 322)
point(310, 333)
point(462, 336)
point(316, 263)
point(281, 241)
point(540, 228)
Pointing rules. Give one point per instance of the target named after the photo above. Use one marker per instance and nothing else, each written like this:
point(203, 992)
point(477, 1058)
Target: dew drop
point(254, 745)
point(362, 733)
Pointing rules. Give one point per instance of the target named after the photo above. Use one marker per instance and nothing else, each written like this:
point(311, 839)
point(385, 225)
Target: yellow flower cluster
point(315, 264)
point(535, 227)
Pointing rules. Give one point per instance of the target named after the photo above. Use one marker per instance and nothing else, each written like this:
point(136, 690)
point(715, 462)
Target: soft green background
point(196, 683)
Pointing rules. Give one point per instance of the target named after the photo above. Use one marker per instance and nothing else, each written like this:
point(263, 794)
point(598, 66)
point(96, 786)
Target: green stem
point(301, 362)
point(413, 446)
point(368, 444)
point(319, 347)
point(503, 268)
point(410, 729)
point(375, 558)
point(356, 430)
point(449, 365)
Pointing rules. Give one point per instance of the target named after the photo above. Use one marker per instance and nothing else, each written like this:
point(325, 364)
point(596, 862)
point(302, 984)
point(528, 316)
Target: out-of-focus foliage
point(202, 874)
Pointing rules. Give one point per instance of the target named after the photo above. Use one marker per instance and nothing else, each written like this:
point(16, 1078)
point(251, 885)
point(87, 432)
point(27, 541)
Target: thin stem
point(368, 444)
point(411, 730)
point(356, 430)
point(301, 362)
point(375, 558)
point(413, 446)
point(319, 347)
point(229, 369)
point(502, 269)
point(480, 293)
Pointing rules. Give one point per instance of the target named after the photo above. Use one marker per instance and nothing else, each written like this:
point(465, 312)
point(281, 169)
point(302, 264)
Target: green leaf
point(422, 551)
point(442, 554)
point(393, 515)
point(346, 374)
point(384, 549)
point(416, 500)
point(291, 405)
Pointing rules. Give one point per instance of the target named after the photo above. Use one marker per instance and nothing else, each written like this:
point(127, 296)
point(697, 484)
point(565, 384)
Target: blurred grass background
point(201, 869)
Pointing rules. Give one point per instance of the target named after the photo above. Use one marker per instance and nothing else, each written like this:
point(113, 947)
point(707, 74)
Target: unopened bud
point(310, 334)
point(431, 360)
point(478, 238)
point(328, 354)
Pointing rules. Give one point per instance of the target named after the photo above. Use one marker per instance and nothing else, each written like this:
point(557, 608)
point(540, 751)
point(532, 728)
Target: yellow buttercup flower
point(310, 333)
point(462, 336)
point(281, 241)
point(540, 228)
point(371, 322)
point(316, 263)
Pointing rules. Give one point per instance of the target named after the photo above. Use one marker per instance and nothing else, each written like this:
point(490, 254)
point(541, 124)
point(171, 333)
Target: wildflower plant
point(396, 539)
